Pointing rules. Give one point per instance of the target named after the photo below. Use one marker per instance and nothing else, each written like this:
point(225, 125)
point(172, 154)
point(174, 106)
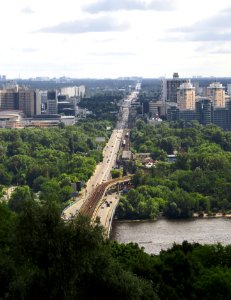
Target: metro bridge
point(92, 204)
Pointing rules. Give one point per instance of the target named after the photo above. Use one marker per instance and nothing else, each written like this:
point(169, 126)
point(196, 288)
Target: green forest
point(43, 162)
point(199, 181)
point(44, 257)
point(104, 105)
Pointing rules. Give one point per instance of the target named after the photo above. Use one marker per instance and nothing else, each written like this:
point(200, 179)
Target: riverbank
point(195, 216)
point(211, 215)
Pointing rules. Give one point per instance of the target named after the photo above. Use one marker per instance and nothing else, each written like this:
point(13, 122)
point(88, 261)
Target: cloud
point(29, 50)
point(27, 10)
point(215, 28)
point(102, 24)
point(214, 48)
point(113, 54)
point(220, 51)
point(115, 5)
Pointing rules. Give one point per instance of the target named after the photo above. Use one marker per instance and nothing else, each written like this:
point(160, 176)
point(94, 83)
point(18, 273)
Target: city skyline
point(109, 39)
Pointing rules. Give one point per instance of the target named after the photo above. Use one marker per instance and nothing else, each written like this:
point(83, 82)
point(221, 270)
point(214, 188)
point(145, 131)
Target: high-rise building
point(228, 107)
point(170, 87)
point(9, 99)
point(229, 89)
point(204, 111)
point(215, 91)
point(52, 102)
point(169, 90)
point(28, 101)
point(220, 115)
point(186, 96)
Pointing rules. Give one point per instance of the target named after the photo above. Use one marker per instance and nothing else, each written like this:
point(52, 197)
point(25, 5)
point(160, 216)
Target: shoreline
point(195, 216)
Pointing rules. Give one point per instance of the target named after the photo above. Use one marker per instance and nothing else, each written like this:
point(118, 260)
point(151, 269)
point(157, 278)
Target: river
point(161, 234)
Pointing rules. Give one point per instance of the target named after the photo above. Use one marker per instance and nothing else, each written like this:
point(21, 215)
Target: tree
point(180, 205)
point(115, 173)
point(214, 283)
point(5, 175)
point(20, 196)
point(60, 260)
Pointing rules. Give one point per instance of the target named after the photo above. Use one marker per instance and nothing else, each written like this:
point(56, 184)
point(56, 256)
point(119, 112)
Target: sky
point(115, 38)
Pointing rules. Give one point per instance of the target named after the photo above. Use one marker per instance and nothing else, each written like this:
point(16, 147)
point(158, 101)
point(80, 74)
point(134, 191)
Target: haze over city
point(99, 39)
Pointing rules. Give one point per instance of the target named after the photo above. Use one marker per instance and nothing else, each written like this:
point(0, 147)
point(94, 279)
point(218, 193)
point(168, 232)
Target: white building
point(73, 91)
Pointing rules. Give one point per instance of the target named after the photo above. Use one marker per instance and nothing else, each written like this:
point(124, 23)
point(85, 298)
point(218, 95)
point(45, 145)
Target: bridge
point(92, 204)
point(98, 185)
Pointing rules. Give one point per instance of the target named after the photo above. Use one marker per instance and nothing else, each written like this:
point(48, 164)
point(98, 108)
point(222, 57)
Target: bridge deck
point(90, 205)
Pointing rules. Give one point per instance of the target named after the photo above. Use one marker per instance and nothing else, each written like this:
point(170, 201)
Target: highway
point(106, 211)
point(101, 174)
point(103, 170)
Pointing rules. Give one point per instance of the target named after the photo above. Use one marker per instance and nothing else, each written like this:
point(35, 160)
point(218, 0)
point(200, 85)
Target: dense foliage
point(104, 106)
point(198, 181)
point(44, 257)
point(49, 159)
point(187, 271)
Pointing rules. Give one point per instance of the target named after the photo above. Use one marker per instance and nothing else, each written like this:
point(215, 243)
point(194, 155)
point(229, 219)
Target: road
point(103, 170)
point(106, 211)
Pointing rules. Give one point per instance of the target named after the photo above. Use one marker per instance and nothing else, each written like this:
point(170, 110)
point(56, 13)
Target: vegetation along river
point(161, 234)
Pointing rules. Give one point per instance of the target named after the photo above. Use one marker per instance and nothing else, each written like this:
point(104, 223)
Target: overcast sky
point(112, 38)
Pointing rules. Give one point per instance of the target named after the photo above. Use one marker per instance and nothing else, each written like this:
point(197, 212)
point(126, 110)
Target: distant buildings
point(26, 100)
point(153, 109)
point(2, 78)
point(73, 91)
point(204, 111)
point(188, 104)
point(21, 106)
point(216, 92)
point(229, 89)
point(62, 101)
point(52, 103)
point(170, 89)
point(11, 119)
point(29, 102)
point(186, 96)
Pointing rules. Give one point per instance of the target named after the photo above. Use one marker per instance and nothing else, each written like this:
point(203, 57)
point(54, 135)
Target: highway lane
point(103, 169)
point(101, 174)
point(106, 211)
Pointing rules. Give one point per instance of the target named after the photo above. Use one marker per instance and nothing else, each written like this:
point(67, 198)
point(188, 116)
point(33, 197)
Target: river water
point(161, 234)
